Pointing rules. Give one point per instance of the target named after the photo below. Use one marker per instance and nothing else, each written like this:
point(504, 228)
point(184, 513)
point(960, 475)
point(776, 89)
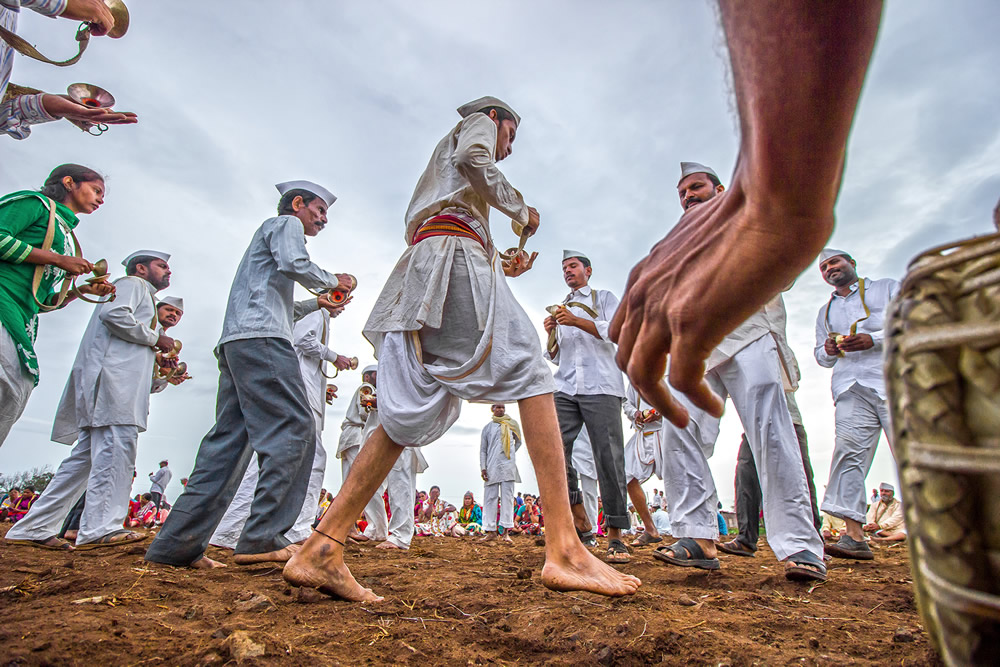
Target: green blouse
point(24, 219)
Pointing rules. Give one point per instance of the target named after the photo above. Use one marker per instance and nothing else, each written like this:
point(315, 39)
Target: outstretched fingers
point(687, 374)
point(646, 368)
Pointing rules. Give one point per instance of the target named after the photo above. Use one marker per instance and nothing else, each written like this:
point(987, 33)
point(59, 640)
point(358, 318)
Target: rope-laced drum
point(943, 376)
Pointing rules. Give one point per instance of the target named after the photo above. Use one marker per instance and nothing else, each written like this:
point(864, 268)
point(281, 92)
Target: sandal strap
point(693, 549)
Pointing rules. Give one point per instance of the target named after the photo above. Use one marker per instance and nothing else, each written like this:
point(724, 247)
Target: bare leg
point(568, 564)
point(854, 530)
point(277, 556)
point(798, 68)
point(638, 497)
point(320, 562)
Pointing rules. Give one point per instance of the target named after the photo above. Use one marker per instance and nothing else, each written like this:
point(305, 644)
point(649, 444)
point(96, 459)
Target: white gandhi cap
point(308, 186)
point(146, 253)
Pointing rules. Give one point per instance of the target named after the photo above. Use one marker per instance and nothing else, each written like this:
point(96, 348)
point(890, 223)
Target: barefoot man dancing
point(445, 328)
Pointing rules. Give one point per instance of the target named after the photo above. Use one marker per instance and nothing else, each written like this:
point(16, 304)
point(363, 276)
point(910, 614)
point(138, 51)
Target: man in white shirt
point(498, 447)
point(104, 407)
point(589, 391)
point(447, 328)
point(352, 436)
point(261, 405)
point(661, 519)
point(158, 482)
point(849, 336)
point(745, 367)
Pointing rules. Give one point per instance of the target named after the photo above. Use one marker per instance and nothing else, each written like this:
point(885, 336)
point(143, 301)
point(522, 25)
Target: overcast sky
point(236, 96)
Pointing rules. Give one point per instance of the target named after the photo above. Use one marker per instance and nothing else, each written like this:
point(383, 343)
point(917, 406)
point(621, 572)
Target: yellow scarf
point(507, 424)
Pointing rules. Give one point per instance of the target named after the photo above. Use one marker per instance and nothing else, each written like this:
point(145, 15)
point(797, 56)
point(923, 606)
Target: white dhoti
point(861, 417)
point(504, 492)
point(751, 378)
point(15, 385)
point(641, 454)
point(445, 328)
point(100, 465)
point(378, 521)
point(402, 485)
point(228, 532)
point(583, 461)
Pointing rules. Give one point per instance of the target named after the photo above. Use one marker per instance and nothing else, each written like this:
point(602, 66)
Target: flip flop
point(645, 539)
point(800, 573)
point(107, 541)
point(617, 553)
point(685, 552)
point(61, 545)
point(587, 538)
point(735, 548)
point(848, 547)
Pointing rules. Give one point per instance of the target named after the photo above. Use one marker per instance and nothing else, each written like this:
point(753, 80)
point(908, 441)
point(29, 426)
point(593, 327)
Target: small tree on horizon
point(38, 478)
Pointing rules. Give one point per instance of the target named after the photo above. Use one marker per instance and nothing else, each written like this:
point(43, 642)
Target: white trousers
point(861, 416)
point(100, 465)
point(588, 486)
point(402, 485)
point(751, 378)
point(228, 532)
point(378, 521)
point(504, 492)
point(15, 385)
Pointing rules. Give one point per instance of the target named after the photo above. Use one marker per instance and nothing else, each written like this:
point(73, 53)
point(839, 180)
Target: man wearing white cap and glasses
point(746, 367)
point(884, 519)
point(849, 335)
point(590, 391)
point(103, 409)
point(446, 327)
point(261, 407)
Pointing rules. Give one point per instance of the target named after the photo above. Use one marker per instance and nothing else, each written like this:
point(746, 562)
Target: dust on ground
point(452, 601)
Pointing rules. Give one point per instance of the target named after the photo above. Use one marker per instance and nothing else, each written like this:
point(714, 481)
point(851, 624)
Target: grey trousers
point(602, 414)
point(261, 409)
point(748, 495)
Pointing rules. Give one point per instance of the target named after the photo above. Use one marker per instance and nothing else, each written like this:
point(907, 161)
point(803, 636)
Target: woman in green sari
point(37, 252)
point(470, 516)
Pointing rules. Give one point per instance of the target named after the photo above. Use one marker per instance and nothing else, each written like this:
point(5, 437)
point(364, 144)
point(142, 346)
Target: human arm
point(484, 445)
point(118, 316)
point(287, 244)
point(777, 214)
point(825, 351)
point(474, 159)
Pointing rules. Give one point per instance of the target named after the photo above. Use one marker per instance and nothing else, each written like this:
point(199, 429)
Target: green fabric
point(24, 219)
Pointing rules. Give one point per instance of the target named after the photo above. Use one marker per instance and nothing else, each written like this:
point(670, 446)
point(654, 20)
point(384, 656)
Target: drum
point(943, 379)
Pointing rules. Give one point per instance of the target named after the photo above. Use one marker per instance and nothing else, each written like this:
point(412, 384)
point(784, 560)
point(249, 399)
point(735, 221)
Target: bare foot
point(70, 535)
point(358, 536)
point(279, 556)
point(387, 545)
point(488, 537)
point(579, 570)
point(580, 519)
point(206, 563)
point(321, 566)
point(506, 538)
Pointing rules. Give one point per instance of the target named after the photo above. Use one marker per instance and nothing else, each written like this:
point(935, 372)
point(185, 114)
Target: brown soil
point(451, 601)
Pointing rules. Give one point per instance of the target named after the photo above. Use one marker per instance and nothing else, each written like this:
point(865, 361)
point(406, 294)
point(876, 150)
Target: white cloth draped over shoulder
point(475, 342)
point(110, 380)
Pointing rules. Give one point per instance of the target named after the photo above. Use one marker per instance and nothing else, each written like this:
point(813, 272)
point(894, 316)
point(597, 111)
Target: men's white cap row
point(174, 301)
point(567, 254)
point(832, 252)
point(308, 186)
point(369, 369)
point(885, 486)
point(688, 168)
point(475, 105)
point(146, 253)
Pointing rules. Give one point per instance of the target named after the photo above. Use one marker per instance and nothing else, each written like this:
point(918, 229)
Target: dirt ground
point(451, 601)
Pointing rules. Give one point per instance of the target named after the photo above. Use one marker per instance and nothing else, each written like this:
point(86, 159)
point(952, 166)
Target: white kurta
point(498, 467)
point(643, 455)
point(110, 380)
point(309, 338)
point(352, 428)
point(586, 365)
point(475, 342)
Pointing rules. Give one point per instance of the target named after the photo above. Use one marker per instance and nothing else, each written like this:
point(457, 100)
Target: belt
point(445, 225)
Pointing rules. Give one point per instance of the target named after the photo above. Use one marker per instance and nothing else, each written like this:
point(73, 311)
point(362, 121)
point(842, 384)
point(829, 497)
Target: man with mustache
point(849, 335)
point(103, 409)
point(746, 367)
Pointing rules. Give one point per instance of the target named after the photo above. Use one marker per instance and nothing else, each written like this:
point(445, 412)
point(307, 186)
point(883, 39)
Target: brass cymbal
point(90, 96)
point(120, 13)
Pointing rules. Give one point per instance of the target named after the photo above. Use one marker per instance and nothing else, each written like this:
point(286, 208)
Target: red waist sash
point(445, 225)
